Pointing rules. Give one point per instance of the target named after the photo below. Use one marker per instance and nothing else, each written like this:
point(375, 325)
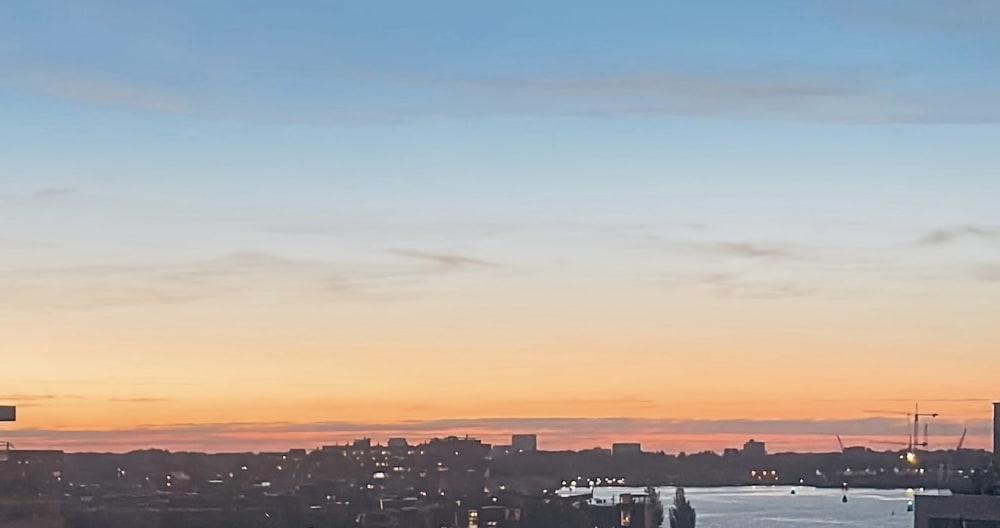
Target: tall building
point(521, 443)
point(996, 428)
point(754, 448)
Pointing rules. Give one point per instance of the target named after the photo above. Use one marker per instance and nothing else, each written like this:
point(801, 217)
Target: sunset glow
point(221, 233)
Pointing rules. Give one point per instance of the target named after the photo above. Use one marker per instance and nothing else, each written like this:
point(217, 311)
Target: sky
point(227, 226)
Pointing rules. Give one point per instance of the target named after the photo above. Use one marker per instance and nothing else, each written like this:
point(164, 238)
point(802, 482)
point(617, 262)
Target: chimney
point(996, 428)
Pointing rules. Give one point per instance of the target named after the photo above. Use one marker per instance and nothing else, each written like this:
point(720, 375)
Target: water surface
point(760, 507)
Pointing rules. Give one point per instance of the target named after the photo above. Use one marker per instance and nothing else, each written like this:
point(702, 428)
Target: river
point(777, 507)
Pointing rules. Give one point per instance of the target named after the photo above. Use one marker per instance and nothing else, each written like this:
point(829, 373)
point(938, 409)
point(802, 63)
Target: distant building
point(626, 448)
point(35, 470)
point(730, 452)
point(855, 451)
point(398, 443)
point(754, 448)
point(498, 451)
point(460, 464)
point(521, 443)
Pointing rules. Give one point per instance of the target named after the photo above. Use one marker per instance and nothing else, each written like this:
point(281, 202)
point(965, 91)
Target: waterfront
point(767, 507)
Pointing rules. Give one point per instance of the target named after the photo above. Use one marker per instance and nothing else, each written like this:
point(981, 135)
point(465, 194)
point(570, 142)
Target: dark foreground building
point(976, 500)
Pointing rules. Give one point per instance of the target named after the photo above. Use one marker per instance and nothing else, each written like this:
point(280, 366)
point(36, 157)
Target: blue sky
point(468, 167)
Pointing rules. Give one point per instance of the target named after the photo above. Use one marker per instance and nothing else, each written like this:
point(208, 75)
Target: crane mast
point(915, 438)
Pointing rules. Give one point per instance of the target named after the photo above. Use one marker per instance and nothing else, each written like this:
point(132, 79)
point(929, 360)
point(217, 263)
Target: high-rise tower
point(996, 428)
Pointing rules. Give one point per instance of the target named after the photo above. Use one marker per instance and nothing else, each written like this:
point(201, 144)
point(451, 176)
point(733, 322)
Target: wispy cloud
point(166, 283)
point(237, 273)
point(138, 400)
point(53, 193)
point(941, 237)
point(558, 430)
point(965, 16)
point(738, 286)
point(867, 97)
point(35, 400)
point(90, 88)
point(744, 249)
point(26, 397)
point(42, 196)
point(444, 259)
point(988, 274)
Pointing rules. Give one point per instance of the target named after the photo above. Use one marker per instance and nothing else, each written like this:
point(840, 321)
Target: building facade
point(996, 429)
point(754, 448)
point(956, 511)
point(521, 443)
point(626, 448)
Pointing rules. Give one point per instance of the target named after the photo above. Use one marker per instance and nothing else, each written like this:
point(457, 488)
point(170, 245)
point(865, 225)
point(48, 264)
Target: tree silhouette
point(682, 515)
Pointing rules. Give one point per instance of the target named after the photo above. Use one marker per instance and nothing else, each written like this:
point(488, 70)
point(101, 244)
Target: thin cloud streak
point(941, 237)
point(444, 259)
point(238, 273)
point(91, 89)
point(988, 274)
point(733, 95)
point(733, 285)
point(138, 400)
point(723, 95)
point(579, 430)
point(980, 17)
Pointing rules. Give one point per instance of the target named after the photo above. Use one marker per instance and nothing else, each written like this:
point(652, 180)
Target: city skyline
point(698, 224)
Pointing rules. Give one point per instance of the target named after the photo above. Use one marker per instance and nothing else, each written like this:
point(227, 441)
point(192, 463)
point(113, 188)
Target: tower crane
point(916, 426)
point(914, 436)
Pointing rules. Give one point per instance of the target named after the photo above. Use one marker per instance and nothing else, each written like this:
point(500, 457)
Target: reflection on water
point(761, 507)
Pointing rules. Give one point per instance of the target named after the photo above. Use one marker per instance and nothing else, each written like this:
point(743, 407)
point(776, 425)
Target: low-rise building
point(521, 443)
point(956, 511)
point(626, 448)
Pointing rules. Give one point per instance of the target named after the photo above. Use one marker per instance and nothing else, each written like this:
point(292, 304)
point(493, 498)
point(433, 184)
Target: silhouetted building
point(855, 451)
point(941, 511)
point(754, 448)
point(521, 443)
point(458, 465)
point(398, 443)
point(626, 448)
point(996, 428)
point(498, 451)
point(37, 471)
